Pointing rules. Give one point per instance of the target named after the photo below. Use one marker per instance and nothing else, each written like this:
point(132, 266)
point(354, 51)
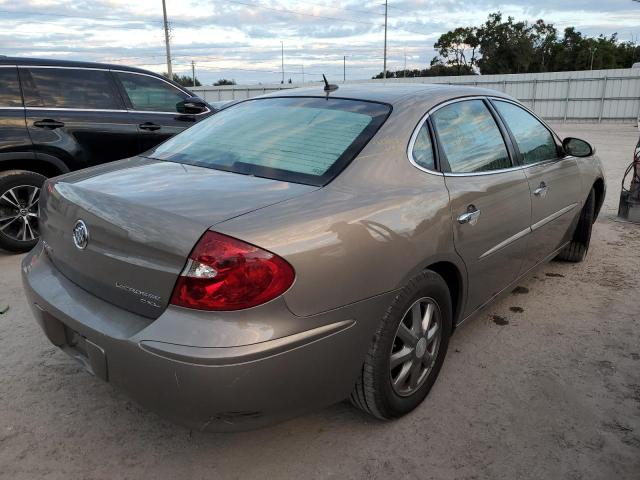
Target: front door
point(555, 191)
point(489, 198)
point(77, 115)
point(153, 103)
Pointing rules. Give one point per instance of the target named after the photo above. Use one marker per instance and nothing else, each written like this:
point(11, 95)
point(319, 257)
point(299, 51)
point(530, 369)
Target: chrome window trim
point(169, 113)
point(64, 68)
point(416, 130)
point(64, 109)
point(8, 66)
point(12, 108)
point(412, 142)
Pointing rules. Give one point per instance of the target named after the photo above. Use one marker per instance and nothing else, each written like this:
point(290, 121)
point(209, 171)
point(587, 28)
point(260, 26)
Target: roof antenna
point(328, 87)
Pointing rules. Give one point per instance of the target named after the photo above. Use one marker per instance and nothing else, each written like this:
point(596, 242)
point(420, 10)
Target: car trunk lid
point(143, 217)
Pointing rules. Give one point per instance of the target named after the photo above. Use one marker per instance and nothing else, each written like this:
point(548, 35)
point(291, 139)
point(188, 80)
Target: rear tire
point(19, 195)
point(577, 249)
point(380, 390)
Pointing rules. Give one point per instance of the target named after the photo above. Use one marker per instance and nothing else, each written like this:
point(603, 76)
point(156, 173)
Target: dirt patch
point(520, 290)
point(498, 320)
point(516, 309)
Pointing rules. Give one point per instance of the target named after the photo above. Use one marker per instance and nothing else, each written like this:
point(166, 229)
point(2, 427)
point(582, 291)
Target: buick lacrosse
point(304, 247)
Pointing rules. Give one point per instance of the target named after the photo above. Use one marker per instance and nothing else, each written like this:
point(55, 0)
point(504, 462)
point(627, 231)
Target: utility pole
point(166, 40)
point(384, 69)
point(282, 56)
point(193, 72)
point(405, 63)
point(344, 68)
point(593, 50)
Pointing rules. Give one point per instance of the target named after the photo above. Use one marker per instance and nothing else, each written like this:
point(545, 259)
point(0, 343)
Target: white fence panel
point(585, 96)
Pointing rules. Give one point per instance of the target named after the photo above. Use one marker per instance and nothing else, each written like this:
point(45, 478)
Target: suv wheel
point(19, 195)
point(408, 349)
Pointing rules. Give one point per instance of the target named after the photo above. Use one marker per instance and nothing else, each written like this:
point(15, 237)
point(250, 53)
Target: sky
point(243, 39)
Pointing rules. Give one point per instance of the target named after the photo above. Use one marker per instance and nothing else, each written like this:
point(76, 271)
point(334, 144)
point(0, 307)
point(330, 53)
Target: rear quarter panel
point(380, 222)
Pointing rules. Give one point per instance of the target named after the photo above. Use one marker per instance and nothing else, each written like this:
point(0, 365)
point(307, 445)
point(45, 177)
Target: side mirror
point(192, 106)
point(577, 148)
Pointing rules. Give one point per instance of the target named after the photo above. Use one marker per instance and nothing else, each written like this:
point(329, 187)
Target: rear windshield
point(296, 139)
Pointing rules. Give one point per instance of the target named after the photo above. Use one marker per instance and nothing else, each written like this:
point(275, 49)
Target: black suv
point(58, 116)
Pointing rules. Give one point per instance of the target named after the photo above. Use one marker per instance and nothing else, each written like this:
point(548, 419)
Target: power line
point(191, 25)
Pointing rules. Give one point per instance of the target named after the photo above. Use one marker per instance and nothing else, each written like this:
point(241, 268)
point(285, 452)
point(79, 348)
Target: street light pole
point(344, 68)
point(193, 72)
point(405, 63)
point(166, 40)
point(282, 58)
point(384, 69)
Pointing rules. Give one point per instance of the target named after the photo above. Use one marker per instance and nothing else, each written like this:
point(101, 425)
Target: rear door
point(152, 101)
point(77, 115)
point(554, 181)
point(489, 197)
point(14, 139)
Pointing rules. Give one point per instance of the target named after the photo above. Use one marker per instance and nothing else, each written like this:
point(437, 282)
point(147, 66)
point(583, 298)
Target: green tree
point(224, 81)
point(508, 46)
point(184, 80)
point(458, 48)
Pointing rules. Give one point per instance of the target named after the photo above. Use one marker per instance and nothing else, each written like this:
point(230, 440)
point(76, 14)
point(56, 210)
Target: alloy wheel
point(415, 346)
point(19, 213)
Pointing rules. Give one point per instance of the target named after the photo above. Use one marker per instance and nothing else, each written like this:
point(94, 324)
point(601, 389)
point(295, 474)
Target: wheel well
point(598, 187)
point(38, 166)
point(453, 278)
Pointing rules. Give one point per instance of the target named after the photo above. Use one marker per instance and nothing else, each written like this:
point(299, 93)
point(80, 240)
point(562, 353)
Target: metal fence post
point(533, 98)
point(566, 105)
point(604, 91)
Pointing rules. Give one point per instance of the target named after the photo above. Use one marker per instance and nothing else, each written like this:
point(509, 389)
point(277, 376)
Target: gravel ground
point(545, 383)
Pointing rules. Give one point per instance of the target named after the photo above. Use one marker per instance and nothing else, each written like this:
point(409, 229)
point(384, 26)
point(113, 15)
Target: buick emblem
point(80, 235)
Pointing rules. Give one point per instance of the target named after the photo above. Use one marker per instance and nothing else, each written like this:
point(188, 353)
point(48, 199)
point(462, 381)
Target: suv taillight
point(224, 273)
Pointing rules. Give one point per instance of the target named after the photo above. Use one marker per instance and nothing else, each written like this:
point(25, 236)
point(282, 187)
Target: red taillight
point(223, 273)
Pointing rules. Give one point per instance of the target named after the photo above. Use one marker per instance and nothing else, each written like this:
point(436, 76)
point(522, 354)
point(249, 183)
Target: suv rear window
point(299, 139)
point(69, 88)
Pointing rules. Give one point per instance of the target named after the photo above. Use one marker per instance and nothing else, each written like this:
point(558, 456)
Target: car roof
point(48, 62)
point(393, 93)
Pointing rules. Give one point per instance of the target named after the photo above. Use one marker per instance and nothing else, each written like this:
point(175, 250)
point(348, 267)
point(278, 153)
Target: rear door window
point(9, 87)
point(535, 142)
point(423, 149)
point(470, 137)
point(150, 94)
point(76, 88)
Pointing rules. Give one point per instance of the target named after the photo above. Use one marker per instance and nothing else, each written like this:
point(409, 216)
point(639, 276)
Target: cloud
point(237, 39)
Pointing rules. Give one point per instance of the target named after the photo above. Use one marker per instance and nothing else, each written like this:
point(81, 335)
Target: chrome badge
point(80, 235)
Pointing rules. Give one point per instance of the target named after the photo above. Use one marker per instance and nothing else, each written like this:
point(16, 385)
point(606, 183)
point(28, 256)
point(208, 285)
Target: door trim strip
point(506, 242)
point(553, 216)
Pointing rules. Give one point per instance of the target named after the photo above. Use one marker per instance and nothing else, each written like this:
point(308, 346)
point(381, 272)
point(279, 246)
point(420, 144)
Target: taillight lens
point(224, 273)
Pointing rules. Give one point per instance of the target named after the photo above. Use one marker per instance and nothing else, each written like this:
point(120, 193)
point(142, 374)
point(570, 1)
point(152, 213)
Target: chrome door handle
point(541, 191)
point(470, 217)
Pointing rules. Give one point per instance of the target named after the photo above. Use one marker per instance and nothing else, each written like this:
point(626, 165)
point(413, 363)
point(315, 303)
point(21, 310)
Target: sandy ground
point(544, 384)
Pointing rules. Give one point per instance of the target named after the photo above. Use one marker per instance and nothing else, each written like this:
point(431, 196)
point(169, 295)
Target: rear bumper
point(217, 389)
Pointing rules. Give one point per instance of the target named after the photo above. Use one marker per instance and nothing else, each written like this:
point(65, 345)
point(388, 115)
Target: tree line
point(505, 46)
point(187, 80)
